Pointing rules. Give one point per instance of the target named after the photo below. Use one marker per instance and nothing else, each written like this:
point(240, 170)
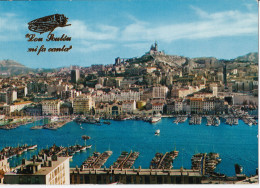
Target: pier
point(163, 161)
point(126, 160)
point(96, 160)
point(180, 119)
point(212, 120)
point(195, 120)
point(205, 163)
point(15, 122)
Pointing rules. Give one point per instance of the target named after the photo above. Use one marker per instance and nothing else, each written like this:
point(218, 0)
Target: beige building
point(196, 105)
point(83, 104)
point(51, 107)
point(47, 171)
point(178, 105)
point(183, 92)
point(129, 106)
point(160, 92)
point(208, 105)
point(157, 107)
point(19, 106)
point(109, 109)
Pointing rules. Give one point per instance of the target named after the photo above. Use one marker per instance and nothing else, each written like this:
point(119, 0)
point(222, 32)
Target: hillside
point(253, 57)
point(10, 67)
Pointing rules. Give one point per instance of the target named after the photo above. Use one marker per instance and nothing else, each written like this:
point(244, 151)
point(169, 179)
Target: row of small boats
point(11, 152)
point(215, 121)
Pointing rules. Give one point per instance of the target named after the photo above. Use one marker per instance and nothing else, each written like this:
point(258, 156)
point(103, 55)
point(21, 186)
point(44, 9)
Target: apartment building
point(41, 170)
point(51, 107)
point(83, 104)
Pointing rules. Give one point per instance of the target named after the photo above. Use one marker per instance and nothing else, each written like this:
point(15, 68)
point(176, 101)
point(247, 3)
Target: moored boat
point(155, 118)
point(157, 132)
point(32, 147)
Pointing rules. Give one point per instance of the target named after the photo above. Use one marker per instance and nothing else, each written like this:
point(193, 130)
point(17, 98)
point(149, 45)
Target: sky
point(102, 30)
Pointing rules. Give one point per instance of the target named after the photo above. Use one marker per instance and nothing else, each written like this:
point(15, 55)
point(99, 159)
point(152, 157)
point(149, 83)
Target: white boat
point(155, 118)
point(32, 147)
point(250, 124)
point(81, 127)
point(157, 132)
point(54, 118)
point(83, 148)
point(88, 146)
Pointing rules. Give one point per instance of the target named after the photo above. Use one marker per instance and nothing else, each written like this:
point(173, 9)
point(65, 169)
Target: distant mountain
point(253, 57)
point(10, 67)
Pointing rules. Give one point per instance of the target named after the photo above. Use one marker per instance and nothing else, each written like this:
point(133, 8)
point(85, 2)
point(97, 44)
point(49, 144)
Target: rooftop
point(39, 167)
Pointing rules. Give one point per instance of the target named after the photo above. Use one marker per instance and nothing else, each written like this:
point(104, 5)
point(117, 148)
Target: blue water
point(235, 144)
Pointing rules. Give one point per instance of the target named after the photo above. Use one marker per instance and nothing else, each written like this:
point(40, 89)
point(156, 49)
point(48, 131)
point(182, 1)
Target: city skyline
point(104, 30)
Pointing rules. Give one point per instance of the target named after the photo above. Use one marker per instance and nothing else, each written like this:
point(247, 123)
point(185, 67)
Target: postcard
point(129, 92)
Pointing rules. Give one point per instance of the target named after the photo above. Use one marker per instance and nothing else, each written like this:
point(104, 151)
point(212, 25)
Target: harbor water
point(235, 144)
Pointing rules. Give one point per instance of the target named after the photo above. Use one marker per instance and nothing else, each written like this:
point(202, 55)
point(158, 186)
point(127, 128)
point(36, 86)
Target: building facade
point(51, 107)
point(75, 75)
point(135, 176)
point(83, 104)
point(160, 92)
point(41, 170)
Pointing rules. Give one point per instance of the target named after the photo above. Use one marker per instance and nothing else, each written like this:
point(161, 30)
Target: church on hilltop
point(154, 50)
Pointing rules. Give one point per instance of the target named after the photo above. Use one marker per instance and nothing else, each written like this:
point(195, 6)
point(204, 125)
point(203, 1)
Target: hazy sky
point(103, 30)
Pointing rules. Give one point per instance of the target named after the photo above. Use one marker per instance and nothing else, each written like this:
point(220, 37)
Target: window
point(116, 178)
point(87, 179)
point(28, 180)
point(37, 180)
point(159, 179)
point(128, 179)
point(20, 180)
point(71, 179)
point(190, 180)
point(81, 179)
point(172, 179)
point(98, 179)
point(165, 179)
point(178, 180)
point(147, 180)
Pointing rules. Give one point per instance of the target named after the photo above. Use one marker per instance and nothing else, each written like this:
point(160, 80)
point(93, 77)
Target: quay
point(180, 119)
point(195, 120)
point(212, 120)
point(15, 122)
point(165, 161)
point(126, 160)
point(57, 125)
point(134, 176)
point(205, 163)
point(96, 160)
